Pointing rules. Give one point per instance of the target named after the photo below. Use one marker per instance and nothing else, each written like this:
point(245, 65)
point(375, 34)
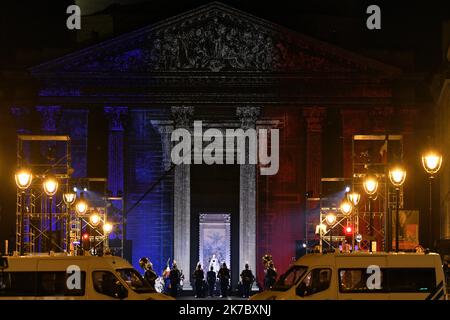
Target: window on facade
point(316, 281)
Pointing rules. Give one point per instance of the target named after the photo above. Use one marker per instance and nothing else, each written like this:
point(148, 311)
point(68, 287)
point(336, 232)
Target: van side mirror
point(301, 290)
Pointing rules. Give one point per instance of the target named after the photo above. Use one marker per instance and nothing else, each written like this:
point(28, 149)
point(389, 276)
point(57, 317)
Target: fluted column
point(116, 118)
point(247, 195)
point(314, 117)
point(182, 117)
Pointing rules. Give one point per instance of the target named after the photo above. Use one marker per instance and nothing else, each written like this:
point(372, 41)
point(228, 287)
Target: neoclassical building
point(229, 69)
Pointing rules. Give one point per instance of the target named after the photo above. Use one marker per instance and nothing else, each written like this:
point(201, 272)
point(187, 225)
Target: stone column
point(49, 118)
point(314, 117)
point(247, 195)
point(182, 116)
point(116, 118)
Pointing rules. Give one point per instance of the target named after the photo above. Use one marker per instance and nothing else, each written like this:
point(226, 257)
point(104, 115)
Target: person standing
point(247, 278)
point(149, 275)
point(224, 277)
point(175, 276)
point(211, 278)
point(270, 277)
point(199, 277)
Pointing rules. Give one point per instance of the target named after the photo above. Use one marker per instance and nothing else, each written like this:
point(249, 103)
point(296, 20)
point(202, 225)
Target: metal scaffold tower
point(42, 218)
point(372, 155)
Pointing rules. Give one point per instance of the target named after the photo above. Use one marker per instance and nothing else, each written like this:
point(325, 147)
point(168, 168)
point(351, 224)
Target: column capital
point(314, 118)
point(116, 117)
point(21, 118)
point(248, 115)
point(49, 117)
point(182, 115)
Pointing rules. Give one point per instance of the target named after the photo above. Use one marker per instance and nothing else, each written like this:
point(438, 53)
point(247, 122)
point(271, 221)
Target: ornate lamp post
point(370, 185)
point(23, 178)
point(94, 220)
point(50, 188)
point(81, 208)
point(69, 199)
point(354, 198)
point(107, 228)
point(397, 175)
point(431, 162)
point(331, 218)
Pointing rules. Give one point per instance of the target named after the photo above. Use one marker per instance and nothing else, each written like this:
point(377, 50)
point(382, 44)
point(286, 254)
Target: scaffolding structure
point(43, 222)
point(371, 219)
point(332, 192)
point(110, 209)
point(374, 154)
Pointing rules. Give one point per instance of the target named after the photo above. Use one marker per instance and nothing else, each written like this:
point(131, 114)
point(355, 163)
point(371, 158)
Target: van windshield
point(289, 278)
point(135, 281)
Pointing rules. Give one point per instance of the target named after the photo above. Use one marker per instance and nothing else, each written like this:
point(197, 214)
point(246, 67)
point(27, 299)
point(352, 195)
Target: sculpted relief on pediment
point(213, 42)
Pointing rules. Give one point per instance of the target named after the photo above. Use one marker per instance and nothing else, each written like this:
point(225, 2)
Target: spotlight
point(84, 189)
point(75, 189)
point(304, 245)
point(347, 189)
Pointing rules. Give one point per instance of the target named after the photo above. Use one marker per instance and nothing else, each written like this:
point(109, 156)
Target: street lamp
point(95, 219)
point(397, 175)
point(331, 218)
point(431, 162)
point(354, 197)
point(50, 188)
point(370, 185)
point(107, 228)
point(346, 208)
point(69, 198)
point(81, 208)
point(23, 178)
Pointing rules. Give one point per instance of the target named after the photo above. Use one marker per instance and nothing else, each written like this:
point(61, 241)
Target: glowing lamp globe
point(330, 218)
point(94, 219)
point(23, 179)
point(50, 186)
point(432, 162)
point(353, 197)
point(346, 207)
point(370, 185)
point(81, 207)
point(69, 198)
point(397, 175)
point(107, 227)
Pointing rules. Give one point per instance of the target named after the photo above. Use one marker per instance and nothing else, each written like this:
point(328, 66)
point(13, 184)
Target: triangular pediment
point(213, 38)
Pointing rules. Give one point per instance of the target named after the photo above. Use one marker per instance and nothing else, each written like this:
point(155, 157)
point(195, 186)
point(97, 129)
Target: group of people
point(213, 280)
point(172, 277)
point(200, 284)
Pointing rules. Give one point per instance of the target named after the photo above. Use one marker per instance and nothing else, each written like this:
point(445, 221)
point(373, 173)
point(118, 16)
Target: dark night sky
point(34, 31)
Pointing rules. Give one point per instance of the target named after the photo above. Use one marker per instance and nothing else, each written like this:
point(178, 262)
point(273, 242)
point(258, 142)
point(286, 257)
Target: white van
point(44, 277)
point(351, 276)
